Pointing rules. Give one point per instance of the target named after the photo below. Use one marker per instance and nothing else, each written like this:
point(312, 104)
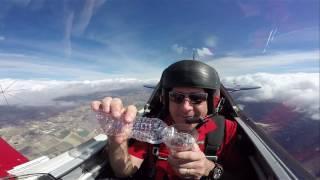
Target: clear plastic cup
point(181, 137)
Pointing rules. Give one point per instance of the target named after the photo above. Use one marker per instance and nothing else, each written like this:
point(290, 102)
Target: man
point(190, 93)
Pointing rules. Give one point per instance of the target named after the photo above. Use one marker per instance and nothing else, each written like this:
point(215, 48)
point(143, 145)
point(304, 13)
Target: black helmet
point(190, 73)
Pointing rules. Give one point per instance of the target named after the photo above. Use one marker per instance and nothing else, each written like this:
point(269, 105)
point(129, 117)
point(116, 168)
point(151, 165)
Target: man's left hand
point(191, 164)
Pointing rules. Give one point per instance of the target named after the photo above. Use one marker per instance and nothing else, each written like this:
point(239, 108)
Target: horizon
point(297, 90)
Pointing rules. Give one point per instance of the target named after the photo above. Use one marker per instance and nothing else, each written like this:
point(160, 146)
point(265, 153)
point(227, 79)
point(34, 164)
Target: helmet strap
point(220, 105)
point(210, 101)
point(165, 101)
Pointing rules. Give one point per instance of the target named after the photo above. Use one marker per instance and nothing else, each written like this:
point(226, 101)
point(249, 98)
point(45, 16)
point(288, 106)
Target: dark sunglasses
point(195, 98)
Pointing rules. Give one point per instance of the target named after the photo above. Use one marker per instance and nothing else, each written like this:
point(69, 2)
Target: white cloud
point(204, 52)
point(302, 35)
point(178, 49)
point(18, 64)
point(236, 64)
point(67, 35)
point(211, 41)
point(84, 18)
point(76, 23)
point(41, 92)
point(11, 55)
point(43, 67)
point(249, 9)
point(272, 33)
point(298, 90)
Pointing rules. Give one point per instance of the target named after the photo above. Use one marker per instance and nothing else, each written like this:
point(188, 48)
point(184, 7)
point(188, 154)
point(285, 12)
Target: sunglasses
point(194, 98)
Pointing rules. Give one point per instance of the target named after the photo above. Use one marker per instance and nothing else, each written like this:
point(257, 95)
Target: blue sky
point(98, 39)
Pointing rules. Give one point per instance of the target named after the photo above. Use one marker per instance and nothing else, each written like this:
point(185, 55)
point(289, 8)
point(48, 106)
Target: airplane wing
point(9, 157)
point(86, 161)
point(229, 89)
point(241, 88)
point(150, 86)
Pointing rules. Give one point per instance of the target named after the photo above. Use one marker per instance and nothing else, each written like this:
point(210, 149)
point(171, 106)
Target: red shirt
point(140, 149)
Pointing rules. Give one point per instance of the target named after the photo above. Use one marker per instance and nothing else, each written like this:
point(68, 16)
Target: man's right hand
point(114, 107)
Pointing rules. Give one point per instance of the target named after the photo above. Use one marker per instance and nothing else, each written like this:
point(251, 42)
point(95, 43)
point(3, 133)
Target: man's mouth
point(191, 119)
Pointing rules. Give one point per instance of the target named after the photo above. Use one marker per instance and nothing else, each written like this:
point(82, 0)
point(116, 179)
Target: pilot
point(190, 92)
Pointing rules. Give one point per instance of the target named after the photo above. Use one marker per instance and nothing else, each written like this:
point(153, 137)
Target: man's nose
point(187, 105)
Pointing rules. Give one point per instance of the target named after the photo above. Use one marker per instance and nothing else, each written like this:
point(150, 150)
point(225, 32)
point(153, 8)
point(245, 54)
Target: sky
point(99, 39)
point(72, 47)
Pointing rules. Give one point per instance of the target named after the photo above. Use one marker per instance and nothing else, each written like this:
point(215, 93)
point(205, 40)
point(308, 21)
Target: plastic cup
point(181, 137)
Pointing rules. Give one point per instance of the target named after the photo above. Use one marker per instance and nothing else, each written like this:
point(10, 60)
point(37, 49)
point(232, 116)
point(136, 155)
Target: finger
point(192, 174)
point(171, 161)
point(95, 105)
point(189, 165)
point(188, 155)
point(183, 163)
point(130, 114)
point(174, 162)
point(195, 168)
point(183, 171)
point(116, 108)
point(106, 104)
point(196, 147)
point(119, 138)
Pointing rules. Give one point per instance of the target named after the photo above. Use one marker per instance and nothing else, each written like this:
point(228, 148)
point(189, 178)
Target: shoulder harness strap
point(215, 138)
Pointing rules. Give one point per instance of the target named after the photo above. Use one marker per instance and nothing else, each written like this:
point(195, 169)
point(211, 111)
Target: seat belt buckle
point(155, 151)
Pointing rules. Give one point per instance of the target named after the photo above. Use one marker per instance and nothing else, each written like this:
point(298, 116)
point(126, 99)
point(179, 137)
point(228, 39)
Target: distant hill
point(129, 96)
point(17, 115)
point(295, 131)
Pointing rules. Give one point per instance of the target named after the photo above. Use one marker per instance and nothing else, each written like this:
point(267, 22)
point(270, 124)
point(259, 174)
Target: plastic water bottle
point(151, 130)
point(143, 129)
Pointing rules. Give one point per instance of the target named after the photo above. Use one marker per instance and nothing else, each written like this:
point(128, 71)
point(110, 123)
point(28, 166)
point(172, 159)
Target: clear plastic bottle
point(151, 130)
point(143, 129)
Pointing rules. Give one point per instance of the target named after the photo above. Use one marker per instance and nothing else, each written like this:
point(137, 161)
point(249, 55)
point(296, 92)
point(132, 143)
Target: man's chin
point(180, 121)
